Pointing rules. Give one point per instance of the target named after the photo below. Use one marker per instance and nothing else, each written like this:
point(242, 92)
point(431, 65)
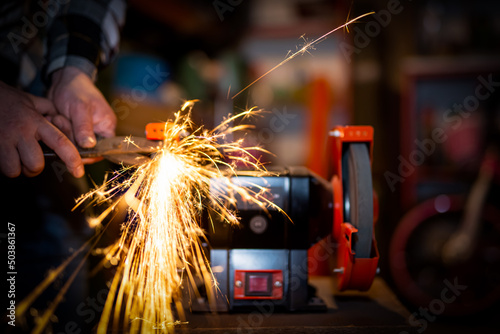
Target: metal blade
point(120, 145)
point(127, 159)
point(127, 150)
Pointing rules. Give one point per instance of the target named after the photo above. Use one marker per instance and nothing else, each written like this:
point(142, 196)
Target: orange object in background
point(156, 131)
point(319, 106)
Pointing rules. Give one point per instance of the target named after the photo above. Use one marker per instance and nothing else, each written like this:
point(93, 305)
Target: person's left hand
point(76, 97)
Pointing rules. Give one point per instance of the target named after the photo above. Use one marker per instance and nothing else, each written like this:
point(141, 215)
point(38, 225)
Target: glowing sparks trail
point(303, 50)
point(161, 240)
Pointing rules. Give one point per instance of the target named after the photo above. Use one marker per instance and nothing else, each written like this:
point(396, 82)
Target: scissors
point(130, 151)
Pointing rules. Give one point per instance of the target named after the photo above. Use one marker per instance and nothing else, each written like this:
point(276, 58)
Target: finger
point(43, 106)
point(10, 164)
point(63, 124)
point(63, 147)
point(106, 125)
point(81, 120)
point(31, 155)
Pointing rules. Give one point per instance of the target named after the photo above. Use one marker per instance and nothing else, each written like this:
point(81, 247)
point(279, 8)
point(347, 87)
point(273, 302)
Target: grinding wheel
point(358, 196)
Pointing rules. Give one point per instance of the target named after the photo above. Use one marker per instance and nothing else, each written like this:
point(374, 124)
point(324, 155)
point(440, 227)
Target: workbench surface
point(374, 311)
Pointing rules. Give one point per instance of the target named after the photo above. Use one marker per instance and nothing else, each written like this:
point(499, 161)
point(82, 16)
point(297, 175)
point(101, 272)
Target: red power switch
point(258, 284)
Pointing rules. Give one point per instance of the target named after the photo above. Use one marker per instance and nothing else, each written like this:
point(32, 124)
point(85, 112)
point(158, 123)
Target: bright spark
point(161, 242)
point(302, 50)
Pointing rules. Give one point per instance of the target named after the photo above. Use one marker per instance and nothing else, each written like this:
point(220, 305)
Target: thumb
point(81, 120)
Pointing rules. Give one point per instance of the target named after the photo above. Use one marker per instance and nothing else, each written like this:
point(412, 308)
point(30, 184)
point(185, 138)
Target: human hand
point(76, 97)
point(22, 126)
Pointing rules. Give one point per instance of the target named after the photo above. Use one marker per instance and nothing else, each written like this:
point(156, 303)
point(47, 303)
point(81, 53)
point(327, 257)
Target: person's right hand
point(22, 126)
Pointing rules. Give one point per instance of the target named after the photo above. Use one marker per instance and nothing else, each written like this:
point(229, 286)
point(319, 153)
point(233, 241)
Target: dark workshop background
point(373, 73)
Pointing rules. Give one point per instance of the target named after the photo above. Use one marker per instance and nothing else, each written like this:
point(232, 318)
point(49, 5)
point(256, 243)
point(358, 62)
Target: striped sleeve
point(85, 34)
